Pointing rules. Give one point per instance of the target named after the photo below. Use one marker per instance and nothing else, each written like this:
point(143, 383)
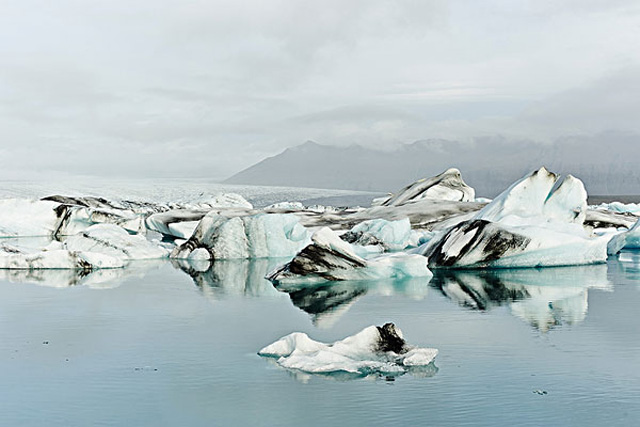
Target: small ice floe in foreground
point(330, 258)
point(374, 350)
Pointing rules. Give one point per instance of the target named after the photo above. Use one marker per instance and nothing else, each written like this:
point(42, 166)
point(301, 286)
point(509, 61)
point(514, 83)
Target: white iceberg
point(115, 241)
point(619, 207)
point(329, 258)
point(25, 217)
point(54, 257)
point(177, 223)
point(531, 224)
point(374, 350)
point(629, 239)
point(446, 186)
point(250, 236)
point(389, 235)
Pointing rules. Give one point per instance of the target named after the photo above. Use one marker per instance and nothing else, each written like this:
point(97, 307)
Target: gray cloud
point(205, 88)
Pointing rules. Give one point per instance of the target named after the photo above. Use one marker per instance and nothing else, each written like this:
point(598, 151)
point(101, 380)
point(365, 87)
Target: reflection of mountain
point(327, 302)
point(230, 277)
point(544, 298)
point(97, 279)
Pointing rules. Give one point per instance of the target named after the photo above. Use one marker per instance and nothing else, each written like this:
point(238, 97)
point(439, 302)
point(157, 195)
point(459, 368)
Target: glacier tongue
point(531, 224)
point(374, 350)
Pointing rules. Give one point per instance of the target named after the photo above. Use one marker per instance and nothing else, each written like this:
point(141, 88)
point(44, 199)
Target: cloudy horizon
point(207, 88)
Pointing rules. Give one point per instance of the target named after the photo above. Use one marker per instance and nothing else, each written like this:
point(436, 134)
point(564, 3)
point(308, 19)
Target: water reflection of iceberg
point(224, 278)
point(544, 298)
point(626, 265)
point(327, 302)
point(95, 279)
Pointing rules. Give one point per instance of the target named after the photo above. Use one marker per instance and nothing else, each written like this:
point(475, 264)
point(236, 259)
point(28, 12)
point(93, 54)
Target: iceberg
point(329, 258)
point(374, 350)
point(54, 257)
point(115, 241)
point(534, 223)
point(177, 223)
point(388, 235)
point(58, 215)
point(25, 217)
point(446, 186)
point(619, 207)
point(249, 236)
point(629, 239)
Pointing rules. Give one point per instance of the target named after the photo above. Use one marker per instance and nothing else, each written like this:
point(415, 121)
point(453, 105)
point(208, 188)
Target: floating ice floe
point(251, 236)
point(115, 241)
point(330, 258)
point(374, 350)
point(54, 257)
point(531, 224)
point(446, 186)
point(629, 239)
point(619, 207)
point(287, 206)
point(24, 217)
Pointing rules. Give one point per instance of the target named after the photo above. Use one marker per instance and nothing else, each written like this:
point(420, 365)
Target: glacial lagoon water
point(158, 344)
point(162, 344)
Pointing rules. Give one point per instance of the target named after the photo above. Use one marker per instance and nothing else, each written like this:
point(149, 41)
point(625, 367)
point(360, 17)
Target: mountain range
point(607, 163)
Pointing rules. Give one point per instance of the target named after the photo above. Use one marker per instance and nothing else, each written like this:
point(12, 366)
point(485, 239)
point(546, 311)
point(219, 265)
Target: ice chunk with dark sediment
point(245, 236)
point(446, 186)
point(54, 257)
point(534, 223)
point(374, 350)
point(115, 241)
point(330, 258)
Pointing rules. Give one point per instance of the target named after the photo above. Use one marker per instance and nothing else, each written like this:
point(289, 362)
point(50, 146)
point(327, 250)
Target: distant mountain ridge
point(608, 164)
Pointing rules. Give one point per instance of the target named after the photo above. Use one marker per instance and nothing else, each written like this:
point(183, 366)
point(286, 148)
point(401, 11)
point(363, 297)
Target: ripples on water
point(174, 344)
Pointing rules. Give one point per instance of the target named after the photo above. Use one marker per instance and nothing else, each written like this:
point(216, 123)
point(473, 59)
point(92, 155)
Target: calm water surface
point(156, 345)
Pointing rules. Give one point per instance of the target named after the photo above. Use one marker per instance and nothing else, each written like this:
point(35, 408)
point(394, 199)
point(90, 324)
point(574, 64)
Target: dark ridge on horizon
point(606, 163)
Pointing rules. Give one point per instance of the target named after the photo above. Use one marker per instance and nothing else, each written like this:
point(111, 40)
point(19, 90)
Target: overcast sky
point(206, 88)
